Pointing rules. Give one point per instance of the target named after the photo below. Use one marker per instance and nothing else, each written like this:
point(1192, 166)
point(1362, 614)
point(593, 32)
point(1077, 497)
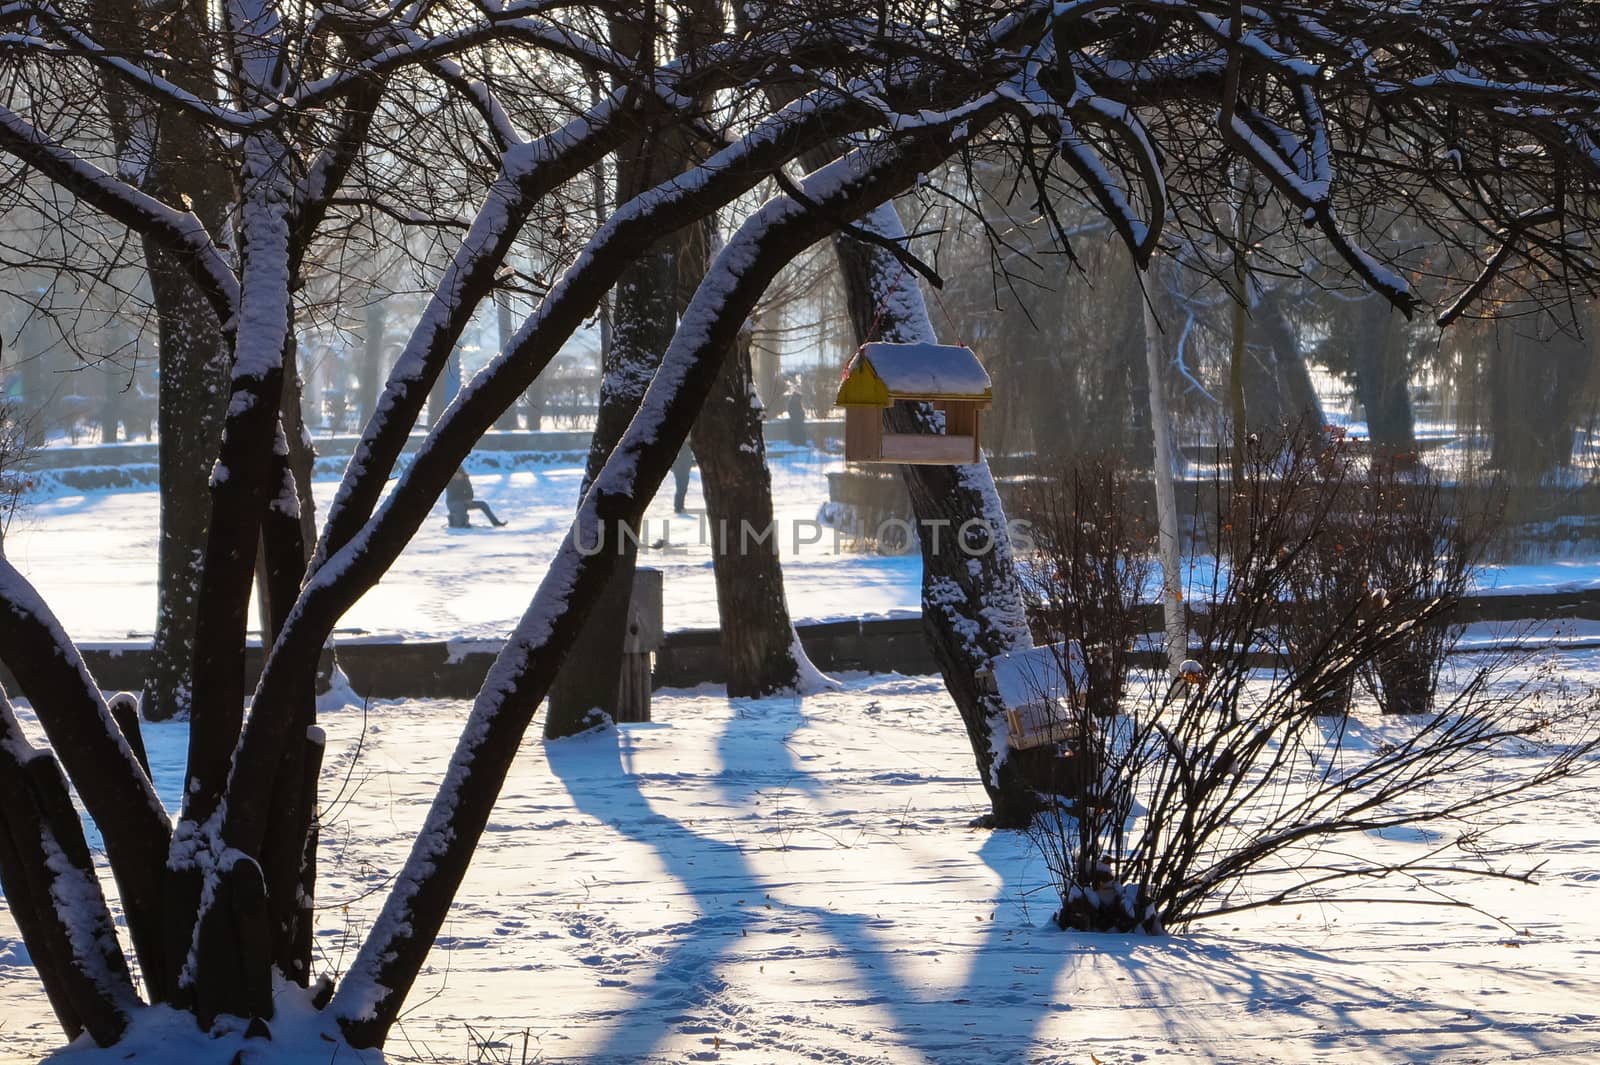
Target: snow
point(92, 556)
point(927, 370)
point(795, 879)
point(1022, 677)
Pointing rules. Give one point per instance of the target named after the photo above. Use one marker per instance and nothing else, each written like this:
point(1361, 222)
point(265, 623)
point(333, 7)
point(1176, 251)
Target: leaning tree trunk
point(971, 595)
point(54, 894)
point(369, 1000)
point(231, 943)
point(972, 606)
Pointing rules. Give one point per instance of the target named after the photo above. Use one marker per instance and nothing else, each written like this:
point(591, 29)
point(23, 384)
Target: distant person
point(458, 500)
point(680, 478)
point(797, 416)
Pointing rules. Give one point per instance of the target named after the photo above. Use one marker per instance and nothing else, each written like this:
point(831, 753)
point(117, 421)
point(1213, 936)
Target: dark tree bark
point(289, 835)
point(757, 637)
point(109, 778)
point(184, 165)
point(643, 317)
point(758, 640)
point(189, 415)
point(243, 482)
point(1378, 354)
point(54, 894)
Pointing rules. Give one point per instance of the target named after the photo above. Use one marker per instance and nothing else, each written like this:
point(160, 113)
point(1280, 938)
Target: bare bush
point(1093, 561)
point(1227, 788)
point(1432, 545)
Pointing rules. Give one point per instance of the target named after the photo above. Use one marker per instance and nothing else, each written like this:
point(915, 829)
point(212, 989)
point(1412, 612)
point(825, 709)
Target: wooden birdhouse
point(1040, 689)
point(881, 375)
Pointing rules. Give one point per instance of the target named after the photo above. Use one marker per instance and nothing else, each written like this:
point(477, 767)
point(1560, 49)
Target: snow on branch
point(70, 38)
point(178, 232)
point(368, 1000)
point(1493, 264)
point(68, 702)
point(526, 174)
point(356, 562)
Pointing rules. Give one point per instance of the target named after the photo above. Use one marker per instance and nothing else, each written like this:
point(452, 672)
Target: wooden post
point(645, 626)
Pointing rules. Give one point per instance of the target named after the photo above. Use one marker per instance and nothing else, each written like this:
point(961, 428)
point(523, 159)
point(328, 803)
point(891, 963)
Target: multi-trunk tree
point(1136, 107)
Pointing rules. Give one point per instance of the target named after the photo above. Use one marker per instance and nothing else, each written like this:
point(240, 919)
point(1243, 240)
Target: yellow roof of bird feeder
point(948, 376)
point(881, 373)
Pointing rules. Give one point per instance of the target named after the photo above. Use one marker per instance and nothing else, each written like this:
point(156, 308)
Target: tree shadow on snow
point(994, 1010)
point(1020, 973)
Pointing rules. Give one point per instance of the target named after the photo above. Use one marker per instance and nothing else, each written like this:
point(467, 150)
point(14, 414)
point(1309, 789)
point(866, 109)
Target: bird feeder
point(882, 375)
point(1040, 689)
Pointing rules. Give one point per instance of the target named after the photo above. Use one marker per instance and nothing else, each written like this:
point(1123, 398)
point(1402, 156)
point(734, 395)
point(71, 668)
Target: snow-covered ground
point(93, 556)
point(796, 880)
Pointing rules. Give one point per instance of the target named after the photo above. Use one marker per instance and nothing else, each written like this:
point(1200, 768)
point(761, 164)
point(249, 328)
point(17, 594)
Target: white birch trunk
point(1171, 547)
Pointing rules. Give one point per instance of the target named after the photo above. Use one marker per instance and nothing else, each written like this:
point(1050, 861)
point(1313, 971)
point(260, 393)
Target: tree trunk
point(1299, 399)
point(111, 403)
point(30, 369)
point(83, 733)
point(189, 409)
point(370, 374)
point(1174, 611)
point(507, 422)
point(179, 162)
point(1379, 357)
point(758, 640)
point(757, 637)
point(643, 317)
point(283, 852)
point(971, 595)
point(54, 894)
point(368, 1002)
point(370, 546)
point(247, 476)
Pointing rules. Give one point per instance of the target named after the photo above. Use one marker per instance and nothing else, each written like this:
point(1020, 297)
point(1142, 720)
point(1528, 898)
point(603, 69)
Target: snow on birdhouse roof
point(1020, 677)
point(882, 372)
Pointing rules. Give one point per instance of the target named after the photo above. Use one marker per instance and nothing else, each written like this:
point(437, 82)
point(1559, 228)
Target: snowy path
point(790, 880)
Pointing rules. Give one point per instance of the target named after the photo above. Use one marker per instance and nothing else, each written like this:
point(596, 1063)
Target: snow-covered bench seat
point(1040, 688)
